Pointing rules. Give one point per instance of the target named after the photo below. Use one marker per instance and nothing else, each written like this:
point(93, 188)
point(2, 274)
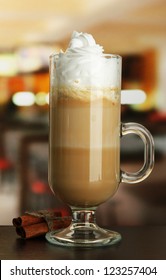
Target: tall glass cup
point(84, 151)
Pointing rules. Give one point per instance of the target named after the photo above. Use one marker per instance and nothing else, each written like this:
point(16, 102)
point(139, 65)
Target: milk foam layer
point(89, 94)
point(83, 66)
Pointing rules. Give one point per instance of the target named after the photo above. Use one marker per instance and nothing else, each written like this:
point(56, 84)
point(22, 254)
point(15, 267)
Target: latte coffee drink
point(84, 155)
point(84, 123)
point(84, 138)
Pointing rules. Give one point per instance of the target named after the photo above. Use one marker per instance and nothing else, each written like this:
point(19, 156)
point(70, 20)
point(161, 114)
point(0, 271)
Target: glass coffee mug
point(84, 149)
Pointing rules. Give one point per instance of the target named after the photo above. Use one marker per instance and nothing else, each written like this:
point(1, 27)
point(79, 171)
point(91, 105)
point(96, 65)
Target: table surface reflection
point(144, 243)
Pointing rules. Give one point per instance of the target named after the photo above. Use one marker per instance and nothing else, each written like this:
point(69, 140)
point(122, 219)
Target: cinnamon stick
point(36, 217)
point(39, 229)
point(26, 220)
point(39, 223)
point(32, 230)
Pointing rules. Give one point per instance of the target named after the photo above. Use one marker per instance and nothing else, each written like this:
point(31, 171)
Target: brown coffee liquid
point(84, 150)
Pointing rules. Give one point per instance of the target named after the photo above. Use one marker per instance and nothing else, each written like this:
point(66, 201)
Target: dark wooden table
point(143, 243)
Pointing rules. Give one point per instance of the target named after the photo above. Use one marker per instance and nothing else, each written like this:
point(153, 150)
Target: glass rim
point(106, 55)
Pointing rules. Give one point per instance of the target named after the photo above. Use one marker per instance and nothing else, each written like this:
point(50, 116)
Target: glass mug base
point(83, 234)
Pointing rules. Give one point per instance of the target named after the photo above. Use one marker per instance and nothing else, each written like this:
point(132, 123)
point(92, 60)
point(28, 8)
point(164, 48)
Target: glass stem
point(83, 216)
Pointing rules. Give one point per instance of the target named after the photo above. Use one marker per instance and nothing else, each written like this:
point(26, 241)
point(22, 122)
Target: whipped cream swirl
point(83, 65)
point(83, 44)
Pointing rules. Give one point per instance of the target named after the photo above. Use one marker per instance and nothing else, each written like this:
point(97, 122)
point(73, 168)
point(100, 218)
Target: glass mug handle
point(144, 134)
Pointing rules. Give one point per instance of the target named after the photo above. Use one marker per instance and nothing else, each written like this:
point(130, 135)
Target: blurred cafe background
point(30, 31)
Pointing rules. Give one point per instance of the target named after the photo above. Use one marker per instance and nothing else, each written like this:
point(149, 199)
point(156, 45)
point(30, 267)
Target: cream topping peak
point(83, 65)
